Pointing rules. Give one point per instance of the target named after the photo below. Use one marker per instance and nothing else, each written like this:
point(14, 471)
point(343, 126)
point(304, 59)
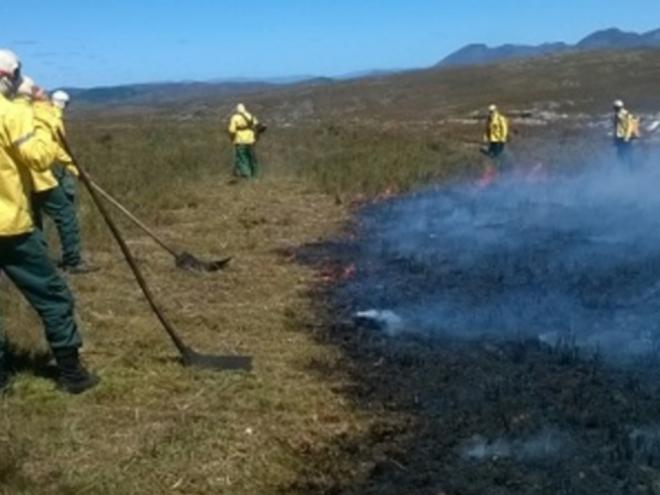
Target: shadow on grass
point(12, 475)
point(495, 417)
point(39, 364)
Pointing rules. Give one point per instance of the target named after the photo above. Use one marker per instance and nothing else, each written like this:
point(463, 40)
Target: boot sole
point(78, 388)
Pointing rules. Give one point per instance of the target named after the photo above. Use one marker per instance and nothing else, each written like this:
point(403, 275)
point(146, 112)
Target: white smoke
point(543, 446)
point(570, 258)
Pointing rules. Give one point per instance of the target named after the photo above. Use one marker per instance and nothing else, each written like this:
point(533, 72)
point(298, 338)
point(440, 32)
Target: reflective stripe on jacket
point(242, 128)
point(24, 146)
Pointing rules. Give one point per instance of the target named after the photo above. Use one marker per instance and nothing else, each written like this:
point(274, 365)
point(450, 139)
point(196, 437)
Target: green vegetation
point(153, 426)
point(338, 159)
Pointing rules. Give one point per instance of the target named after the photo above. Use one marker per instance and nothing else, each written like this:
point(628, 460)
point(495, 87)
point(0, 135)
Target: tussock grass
point(163, 155)
point(153, 427)
point(349, 160)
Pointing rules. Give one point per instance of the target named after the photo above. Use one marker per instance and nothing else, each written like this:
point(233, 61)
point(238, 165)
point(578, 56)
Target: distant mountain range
point(475, 54)
point(608, 39)
point(161, 92)
point(157, 93)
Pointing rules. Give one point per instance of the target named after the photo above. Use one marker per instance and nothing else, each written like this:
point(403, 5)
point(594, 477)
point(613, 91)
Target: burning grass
point(484, 402)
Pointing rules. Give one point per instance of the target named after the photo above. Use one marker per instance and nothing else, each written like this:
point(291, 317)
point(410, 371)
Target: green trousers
point(245, 161)
point(24, 260)
point(496, 152)
point(67, 181)
point(59, 204)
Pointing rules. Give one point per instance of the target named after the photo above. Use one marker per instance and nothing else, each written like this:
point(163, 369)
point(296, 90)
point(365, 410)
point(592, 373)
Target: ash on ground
point(571, 259)
point(482, 319)
point(542, 447)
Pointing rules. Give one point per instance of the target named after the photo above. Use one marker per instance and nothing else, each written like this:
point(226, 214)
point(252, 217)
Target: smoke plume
point(565, 259)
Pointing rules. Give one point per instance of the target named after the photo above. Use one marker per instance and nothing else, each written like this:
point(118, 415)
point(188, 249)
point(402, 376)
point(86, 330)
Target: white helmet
point(60, 99)
point(9, 63)
point(492, 108)
point(240, 108)
point(27, 87)
point(10, 72)
point(618, 104)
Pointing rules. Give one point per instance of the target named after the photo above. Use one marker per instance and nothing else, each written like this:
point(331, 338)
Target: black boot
point(73, 377)
point(82, 268)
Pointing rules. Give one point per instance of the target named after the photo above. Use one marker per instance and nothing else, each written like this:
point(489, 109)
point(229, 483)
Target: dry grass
point(155, 427)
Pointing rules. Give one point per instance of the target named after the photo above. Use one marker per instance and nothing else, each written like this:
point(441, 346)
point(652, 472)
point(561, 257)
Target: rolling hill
point(607, 39)
point(570, 82)
point(604, 65)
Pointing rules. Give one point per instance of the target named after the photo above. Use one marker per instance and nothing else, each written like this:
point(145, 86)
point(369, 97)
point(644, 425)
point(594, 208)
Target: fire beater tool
point(189, 357)
point(182, 259)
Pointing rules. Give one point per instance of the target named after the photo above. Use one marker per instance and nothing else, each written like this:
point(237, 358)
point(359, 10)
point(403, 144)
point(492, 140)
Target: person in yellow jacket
point(26, 145)
point(244, 130)
point(48, 195)
point(626, 130)
point(496, 135)
point(66, 171)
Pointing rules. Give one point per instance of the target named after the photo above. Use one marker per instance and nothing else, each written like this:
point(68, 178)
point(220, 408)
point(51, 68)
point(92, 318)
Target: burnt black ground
point(450, 393)
point(550, 419)
point(568, 258)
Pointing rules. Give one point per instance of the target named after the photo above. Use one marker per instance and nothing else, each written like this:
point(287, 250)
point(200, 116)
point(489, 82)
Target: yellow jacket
point(24, 146)
point(626, 126)
point(497, 129)
point(42, 180)
point(51, 116)
point(242, 128)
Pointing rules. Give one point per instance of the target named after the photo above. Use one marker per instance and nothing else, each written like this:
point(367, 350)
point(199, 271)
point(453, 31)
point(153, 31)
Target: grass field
point(316, 416)
point(154, 426)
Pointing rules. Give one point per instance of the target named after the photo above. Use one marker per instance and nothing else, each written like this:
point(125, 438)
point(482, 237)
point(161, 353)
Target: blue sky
point(93, 42)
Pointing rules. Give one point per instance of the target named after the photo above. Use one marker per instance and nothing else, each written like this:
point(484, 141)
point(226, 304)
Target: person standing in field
point(66, 173)
point(626, 130)
point(244, 130)
point(496, 135)
point(26, 145)
point(65, 170)
point(49, 195)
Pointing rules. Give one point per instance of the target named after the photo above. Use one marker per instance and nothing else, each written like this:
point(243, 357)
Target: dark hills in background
point(608, 39)
point(476, 54)
point(157, 92)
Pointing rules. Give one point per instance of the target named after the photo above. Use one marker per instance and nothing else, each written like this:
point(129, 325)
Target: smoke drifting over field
point(572, 259)
point(540, 447)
